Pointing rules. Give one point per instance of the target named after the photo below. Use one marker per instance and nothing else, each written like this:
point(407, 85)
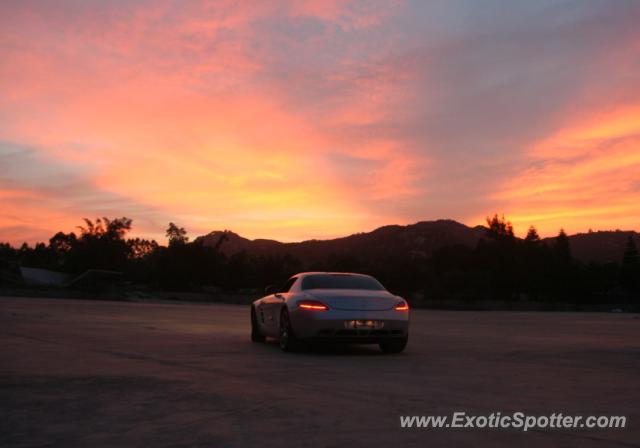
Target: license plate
point(363, 324)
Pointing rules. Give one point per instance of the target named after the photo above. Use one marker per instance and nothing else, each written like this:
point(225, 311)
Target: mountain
point(601, 246)
point(232, 243)
point(420, 239)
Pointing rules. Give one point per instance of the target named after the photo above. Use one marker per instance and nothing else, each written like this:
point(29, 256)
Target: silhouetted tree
point(62, 243)
point(501, 266)
point(630, 256)
point(105, 228)
point(101, 245)
point(499, 258)
point(498, 228)
point(9, 262)
point(532, 236)
point(176, 235)
point(533, 259)
point(565, 274)
point(630, 271)
point(141, 248)
point(38, 257)
point(562, 248)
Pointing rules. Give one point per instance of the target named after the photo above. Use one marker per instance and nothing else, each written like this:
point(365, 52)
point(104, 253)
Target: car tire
point(287, 339)
point(394, 345)
point(256, 336)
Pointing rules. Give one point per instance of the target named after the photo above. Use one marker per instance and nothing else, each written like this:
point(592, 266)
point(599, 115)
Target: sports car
point(331, 307)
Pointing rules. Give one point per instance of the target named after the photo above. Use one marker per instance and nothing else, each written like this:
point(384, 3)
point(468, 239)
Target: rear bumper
point(354, 339)
point(329, 326)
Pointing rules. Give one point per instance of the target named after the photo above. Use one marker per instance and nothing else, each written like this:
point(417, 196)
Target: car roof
point(304, 274)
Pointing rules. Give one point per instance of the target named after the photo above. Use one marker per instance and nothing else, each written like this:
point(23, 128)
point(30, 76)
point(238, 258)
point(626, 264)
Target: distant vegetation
point(500, 266)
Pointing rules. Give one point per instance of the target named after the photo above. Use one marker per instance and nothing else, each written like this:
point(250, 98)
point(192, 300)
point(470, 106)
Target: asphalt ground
point(97, 373)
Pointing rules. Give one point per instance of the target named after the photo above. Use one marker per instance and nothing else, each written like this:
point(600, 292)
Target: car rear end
point(357, 317)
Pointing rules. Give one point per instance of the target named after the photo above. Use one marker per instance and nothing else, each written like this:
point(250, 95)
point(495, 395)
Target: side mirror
point(270, 290)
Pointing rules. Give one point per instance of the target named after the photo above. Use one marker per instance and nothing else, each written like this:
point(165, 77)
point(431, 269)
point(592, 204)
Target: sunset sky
point(318, 119)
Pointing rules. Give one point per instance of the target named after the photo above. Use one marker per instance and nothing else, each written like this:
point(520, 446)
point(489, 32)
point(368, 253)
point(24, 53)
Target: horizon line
point(148, 235)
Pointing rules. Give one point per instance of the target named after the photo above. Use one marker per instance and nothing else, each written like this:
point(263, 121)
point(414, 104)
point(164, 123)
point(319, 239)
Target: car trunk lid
point(356, 300)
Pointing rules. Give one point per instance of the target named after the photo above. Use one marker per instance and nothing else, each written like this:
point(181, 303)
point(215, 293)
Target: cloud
point(295, 120)
point(41, 195)
point(585, 175)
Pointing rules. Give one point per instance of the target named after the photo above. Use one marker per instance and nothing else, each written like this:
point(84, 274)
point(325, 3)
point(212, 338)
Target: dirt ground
point(89, 373)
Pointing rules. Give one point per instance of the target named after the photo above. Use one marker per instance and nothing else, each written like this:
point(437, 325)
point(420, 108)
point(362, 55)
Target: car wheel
point(288, 340)
point(256, 336)
point(394, 345)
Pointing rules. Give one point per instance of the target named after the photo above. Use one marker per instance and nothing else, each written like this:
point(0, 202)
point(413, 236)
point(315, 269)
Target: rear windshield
point(339, 281)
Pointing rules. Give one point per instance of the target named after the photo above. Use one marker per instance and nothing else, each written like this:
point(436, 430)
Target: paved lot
point(81, 373)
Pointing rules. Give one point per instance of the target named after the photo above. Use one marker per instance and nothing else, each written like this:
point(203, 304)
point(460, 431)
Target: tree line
point(500, 267)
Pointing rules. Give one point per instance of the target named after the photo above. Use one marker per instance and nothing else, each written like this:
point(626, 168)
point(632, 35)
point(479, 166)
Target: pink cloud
point(311, 119)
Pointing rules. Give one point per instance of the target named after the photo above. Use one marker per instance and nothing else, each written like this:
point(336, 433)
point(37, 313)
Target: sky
point(318, 119)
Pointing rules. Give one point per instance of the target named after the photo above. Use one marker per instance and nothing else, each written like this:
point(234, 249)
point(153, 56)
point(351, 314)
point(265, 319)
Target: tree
point(141, 248)
point(562, 248)
point(499, 228)
point(533, 262)
point(111, 229)
point(176, 235)
point(101, 245)
point(563, 275)
point(91, 229)
point(630, 271)
point(532, 236)
point(62, 243)
point(500, 258)
point(630, 257)
point(116, 229)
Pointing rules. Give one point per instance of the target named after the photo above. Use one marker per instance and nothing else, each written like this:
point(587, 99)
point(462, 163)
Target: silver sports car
point(331, 307)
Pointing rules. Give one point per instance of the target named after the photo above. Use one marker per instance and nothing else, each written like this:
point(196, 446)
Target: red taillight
point(312, 305)
point(402, 306)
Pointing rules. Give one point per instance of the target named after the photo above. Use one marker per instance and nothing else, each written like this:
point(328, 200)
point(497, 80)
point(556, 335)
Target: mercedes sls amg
point(331, 307)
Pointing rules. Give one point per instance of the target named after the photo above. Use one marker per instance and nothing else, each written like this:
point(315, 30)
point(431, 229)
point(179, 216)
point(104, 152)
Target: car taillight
point(402, 306)
point(312, 305)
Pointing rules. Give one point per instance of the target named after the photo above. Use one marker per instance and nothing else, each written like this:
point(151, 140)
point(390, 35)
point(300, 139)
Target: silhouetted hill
point(600, 246)
point(234, 243)
point(420, 239)
point(435, 260)
point(416, 240)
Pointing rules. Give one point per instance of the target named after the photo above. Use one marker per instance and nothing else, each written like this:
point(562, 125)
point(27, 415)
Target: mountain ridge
point(420, 239)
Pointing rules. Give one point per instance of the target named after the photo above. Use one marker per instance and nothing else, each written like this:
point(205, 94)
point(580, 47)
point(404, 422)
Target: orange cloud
point(583, 176)
point(175, 118)
point(296, 120)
